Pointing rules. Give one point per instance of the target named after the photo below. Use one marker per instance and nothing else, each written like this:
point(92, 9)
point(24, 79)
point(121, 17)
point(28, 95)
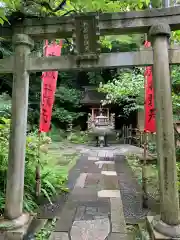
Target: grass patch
point(57, 134)
point(75, 136)
point(152, 175)
point(46, 231)
point(61, 163)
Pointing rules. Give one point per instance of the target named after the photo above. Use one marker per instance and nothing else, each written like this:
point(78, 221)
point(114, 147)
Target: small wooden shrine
point(92, 100)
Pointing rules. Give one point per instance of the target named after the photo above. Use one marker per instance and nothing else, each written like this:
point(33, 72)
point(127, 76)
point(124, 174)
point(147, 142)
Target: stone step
point(65, 221)
point(109, 176)
point(109, 180)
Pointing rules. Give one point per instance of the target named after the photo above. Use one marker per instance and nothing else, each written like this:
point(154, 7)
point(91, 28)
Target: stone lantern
point(101, 127)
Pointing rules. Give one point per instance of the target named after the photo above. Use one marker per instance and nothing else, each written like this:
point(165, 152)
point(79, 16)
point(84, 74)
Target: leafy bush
point(46, 231)
point(127, 90)
point(57, 134)
point(152, 147)
point(52, 179)
point(67, 105)
point(5, 105)
point(178, 153)
point(78, 137)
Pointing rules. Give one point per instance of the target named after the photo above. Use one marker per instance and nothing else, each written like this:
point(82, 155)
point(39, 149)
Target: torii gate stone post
point(168, 221)
point(17, 145)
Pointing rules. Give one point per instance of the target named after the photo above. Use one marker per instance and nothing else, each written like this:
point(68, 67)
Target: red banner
point(48, 89)
point(149, 107)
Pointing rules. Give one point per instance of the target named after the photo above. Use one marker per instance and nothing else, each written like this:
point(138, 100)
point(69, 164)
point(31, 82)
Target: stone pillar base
point(15, 229)
point(170, 230)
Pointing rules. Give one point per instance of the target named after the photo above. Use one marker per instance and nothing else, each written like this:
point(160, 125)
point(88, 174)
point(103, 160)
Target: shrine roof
point(92, 96)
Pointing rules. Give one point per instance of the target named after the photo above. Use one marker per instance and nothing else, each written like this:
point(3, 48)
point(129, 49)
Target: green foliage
point(178, 173)
point(57, 134)
point(127, 89)
point(52, 178)
point(66, 105)
point(106, 6)
point(78, 137)
point(95, 78)
point(175, 78)
point(45, 232)
point(178, 153)
point(5, 105)
point(152, 147)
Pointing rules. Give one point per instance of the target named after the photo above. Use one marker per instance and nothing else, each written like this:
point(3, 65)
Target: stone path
point(101, 184)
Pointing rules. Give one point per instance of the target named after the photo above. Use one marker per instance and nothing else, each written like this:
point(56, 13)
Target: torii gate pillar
point(17, 144)
point(168, 222)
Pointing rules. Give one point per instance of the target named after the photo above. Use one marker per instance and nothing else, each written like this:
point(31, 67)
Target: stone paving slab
point(96, 229)
point(108, 166)
point(93, 179)
point(85, 194)
point(59, 236)
point(90, 167)
point(105, 165)
point(66, 217)
point(80, 182)
point(131, 193)
point(117, 216)
point(90, 158)
point(109, 194)
point(94, 208)
point(110, 182)
point(118, 236)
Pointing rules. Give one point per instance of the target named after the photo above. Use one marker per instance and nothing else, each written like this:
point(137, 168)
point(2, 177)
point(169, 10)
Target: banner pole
point(38, 167)
point(38, 170)
point(144, 173)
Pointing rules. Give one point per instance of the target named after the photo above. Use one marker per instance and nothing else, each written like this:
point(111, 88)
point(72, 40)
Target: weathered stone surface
point(17, 234)
point(126, 59)
point(17, 140)
point(109, 173)
point(110, 182)
point(154, 234)
point(118, 236)
point(117, 216)
point(93, 158)
point(131, 193)
point(59, 236)
point(80, 182)
point(80, 213)
point(96, 229)
point(90, 205)
point(103, 153)
point(166, 151)
point(66, 217)
point(84, 194)
point(160, 29)
point(109, 193)
point(106, 165)
point(92, 179)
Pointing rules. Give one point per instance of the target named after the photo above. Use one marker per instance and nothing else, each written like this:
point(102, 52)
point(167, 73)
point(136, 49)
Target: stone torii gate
point(86, 29)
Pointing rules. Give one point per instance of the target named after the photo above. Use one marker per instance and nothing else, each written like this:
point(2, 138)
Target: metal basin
point(102, 131)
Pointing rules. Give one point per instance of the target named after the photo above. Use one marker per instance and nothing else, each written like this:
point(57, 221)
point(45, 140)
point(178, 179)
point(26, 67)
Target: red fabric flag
point(48, 89)
point(149, 107)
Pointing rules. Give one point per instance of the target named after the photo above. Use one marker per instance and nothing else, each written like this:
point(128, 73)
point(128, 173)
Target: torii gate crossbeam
point(109, 24)
point(106, 60)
